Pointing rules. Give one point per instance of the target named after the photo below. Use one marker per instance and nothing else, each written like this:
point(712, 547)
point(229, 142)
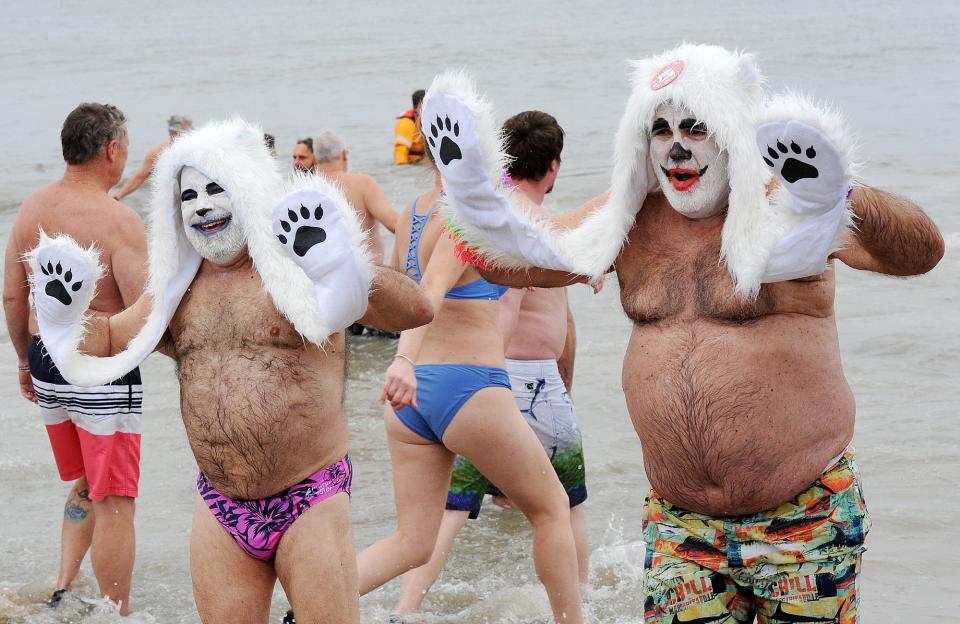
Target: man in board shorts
point(94, 432)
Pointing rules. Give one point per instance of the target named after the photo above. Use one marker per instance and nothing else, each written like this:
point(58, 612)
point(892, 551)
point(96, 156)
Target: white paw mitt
point(808, 149)
point(63, 283)
point(466, 145)
point(319, 232)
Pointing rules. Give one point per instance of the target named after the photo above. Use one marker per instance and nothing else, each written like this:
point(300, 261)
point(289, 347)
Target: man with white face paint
point(732, 374)
point(207, 220)
point(250, 296)
point(691, 168)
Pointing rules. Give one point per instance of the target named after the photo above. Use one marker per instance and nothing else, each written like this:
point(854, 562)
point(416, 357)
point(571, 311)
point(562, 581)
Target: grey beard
point(220, 248)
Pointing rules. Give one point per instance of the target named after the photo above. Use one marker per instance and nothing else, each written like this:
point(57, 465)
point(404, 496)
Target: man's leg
point(415, 584)
point(76, 533)
point(490, 432)
point(421, 476)
point(229, 586)
point(578, 522)
point(316, 564)
point(113, 548)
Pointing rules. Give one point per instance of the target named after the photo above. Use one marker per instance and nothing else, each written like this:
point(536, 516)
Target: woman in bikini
point(447, 393)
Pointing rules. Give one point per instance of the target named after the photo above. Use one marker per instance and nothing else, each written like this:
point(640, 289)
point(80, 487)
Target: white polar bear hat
point(231, 153)
point(723, 89)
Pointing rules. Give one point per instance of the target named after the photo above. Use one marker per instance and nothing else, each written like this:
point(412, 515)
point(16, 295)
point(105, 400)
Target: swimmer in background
point(303, 158)
point(370, 202)
point(408, 142)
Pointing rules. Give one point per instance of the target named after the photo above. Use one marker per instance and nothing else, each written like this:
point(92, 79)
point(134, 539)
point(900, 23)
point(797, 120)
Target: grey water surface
point(300, 68)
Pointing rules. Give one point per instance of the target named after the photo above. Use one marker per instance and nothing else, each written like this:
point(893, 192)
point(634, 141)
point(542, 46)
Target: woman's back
point(465, 328)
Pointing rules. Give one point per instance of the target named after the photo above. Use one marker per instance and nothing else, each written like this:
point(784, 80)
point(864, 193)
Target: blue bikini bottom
point(442, 389)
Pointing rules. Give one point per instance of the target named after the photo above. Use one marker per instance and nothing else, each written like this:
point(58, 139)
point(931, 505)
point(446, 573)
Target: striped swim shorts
point(94, 432)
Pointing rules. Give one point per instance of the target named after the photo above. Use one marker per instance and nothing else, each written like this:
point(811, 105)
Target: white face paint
point(692, 170)
point(208, 219)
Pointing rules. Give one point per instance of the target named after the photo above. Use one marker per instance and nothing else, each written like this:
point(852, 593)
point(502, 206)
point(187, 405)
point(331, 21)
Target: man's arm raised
point(892, 235)
point(547, 278)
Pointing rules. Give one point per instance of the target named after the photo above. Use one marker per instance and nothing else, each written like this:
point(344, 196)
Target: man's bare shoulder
point(86, 214)
point(35, 207)
point(356, 181)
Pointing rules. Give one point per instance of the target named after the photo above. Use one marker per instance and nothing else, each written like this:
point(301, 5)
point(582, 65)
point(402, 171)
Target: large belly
point(737, 419)
point(261, 419)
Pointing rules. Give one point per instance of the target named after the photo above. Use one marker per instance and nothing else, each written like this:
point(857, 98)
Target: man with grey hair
point(176, 125)
point(362, 191)
point(94, 432)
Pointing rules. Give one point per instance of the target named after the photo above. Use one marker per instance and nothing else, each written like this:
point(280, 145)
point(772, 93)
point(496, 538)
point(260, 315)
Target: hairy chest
point(221, 312)
point(678, 274)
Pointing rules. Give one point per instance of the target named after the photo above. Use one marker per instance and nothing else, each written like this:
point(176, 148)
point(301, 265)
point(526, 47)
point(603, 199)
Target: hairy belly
point(737, 419)
point(261, 419)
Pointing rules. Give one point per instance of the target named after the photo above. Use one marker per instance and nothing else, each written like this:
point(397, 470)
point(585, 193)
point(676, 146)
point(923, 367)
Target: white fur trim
point(285, 280)
point(231, 153)
point(523, 239)
point(794, 106)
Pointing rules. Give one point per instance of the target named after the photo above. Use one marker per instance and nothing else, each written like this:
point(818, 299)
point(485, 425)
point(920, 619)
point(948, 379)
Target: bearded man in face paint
point(250, 296)
point(732, 374)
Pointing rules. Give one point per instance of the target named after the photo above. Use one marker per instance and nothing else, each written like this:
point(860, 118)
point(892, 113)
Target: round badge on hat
point(667, 75)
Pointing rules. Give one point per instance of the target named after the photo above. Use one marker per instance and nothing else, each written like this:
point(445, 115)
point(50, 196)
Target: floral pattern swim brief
point(258, 525)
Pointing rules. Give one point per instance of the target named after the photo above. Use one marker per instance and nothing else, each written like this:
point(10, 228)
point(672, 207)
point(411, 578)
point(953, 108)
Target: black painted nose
point(679, 153)
point(202, 212)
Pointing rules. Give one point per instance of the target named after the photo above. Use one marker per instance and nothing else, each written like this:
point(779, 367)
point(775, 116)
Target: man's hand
point(400, 385)
point(26, 384)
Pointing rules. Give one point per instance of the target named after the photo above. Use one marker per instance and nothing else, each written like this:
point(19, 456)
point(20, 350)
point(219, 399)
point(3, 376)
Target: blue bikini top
point(477, 289)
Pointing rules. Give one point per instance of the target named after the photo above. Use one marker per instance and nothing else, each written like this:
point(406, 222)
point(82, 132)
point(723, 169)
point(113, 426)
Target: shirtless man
point(175, 126)
point(538, 336)
point(739, 400)
point(362, 191)
point(95, 142)
point(262, 403)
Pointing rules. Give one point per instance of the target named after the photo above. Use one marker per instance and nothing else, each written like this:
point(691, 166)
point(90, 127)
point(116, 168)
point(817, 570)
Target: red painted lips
point(683, 179)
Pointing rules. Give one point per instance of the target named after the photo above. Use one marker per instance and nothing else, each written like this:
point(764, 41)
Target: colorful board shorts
point(796, 563)
point(94, 432)
point(545, 404)
point(258, 525)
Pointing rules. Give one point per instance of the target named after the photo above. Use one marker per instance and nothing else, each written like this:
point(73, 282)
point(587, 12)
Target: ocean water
point(298, 69)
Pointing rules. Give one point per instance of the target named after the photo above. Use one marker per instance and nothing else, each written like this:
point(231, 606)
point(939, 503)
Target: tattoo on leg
point(75, 511)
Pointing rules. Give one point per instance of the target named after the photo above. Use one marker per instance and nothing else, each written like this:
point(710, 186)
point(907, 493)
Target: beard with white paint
point(692, 169)
point(207, 216)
